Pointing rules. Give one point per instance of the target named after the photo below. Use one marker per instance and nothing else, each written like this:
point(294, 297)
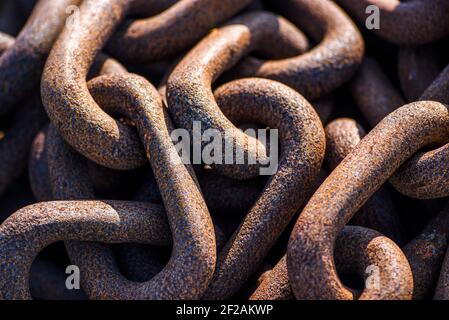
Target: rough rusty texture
point(378, 213)
point(66, 98)
point(426, 175)
point(302, 144)
point(22, 63)
point(418, 67)
point(357, 249)
point(413, 22)
point(310, 259)
point(192, 263)
point(70, 180)
point(426, 252)
point(67, 169)
point(225, 225)
point(72, 167)
point(275, 285)
point(38, 165)
point(373, 93)
point(189, 93)
point(330, 64)
point(377, 259)
point(103, 64)
point(65, 95)
point(103, 180)
point(24, 124)
point(29, 230)
point(174, 30)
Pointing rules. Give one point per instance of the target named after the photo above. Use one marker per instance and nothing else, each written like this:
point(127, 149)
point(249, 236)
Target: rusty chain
point(134, 132)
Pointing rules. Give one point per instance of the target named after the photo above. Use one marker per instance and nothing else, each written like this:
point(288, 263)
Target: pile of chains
point(91, 179)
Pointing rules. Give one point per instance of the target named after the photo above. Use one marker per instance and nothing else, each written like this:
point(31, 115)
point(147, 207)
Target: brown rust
point(378, 213)
point(323, 69)
point(426, 175)
point(426, 252)
point(64, 91)
point(192, 263)
point(302, 141)
point(33, 228)
point(310, 257)
point(358, 250)
point(327, 66)
point(176, 29)
point(189, 94)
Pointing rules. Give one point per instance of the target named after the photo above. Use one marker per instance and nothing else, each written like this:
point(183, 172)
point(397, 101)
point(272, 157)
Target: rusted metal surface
point(189, 94)
point(302, 143)
point(192, 263)
point(108, 182)
point(32, 228)
point(184, 23)
point(378, 213)
point(425, 176)
point(16, 140)
point(327, 66)
point(357, 250)
point(426, 253)
point(310, 257)
point(38, 168)
point(65, 94)
point(442, 290)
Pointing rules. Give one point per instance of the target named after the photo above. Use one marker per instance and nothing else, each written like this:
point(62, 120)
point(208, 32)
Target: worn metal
point(310, 257)
point(373, 92)
point(189, 94)
point(192, 263)
point(327, 66)
point(33, 228)
point(302, 141)
point(425, 176)
point(184, 23)
point(66, 98)
point(378, 213)
point(358, 250)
